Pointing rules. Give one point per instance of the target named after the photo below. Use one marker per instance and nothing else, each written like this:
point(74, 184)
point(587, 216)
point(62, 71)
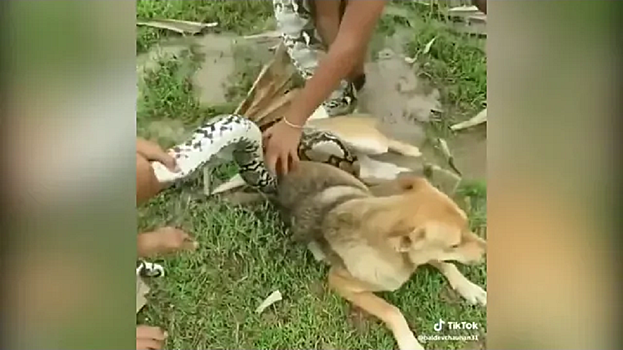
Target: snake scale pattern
point(305, 47)
point(234, 137)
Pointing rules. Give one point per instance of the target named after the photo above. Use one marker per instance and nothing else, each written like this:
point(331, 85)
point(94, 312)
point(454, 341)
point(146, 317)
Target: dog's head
point(429, 226)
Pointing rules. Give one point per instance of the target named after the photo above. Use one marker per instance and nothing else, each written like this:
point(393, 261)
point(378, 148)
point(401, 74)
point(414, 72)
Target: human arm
point(351, 41)
point(344, 56)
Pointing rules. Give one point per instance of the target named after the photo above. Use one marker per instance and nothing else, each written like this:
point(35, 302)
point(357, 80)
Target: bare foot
point(149, 338)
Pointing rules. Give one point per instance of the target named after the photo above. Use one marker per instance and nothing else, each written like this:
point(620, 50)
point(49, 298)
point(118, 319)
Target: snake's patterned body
point(305, 47)
point(236, 137)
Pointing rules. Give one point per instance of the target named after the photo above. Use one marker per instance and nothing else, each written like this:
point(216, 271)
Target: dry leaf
point(445, 150)
point(141, 290)
point(268, 98)
point(179, 26)
point(268, 35)
point(468, 19)
point(429, 45)
point(476, 120)
point(464, 9)
point(272, 298)
point(235, 181)
point(265, 100)
point(319, 113)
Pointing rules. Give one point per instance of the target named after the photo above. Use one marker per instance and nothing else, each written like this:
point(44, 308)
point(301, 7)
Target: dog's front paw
point(473, 293)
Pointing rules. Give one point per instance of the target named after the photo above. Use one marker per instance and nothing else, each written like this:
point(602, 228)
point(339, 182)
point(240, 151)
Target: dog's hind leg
point(473, 293)
point(357, 293)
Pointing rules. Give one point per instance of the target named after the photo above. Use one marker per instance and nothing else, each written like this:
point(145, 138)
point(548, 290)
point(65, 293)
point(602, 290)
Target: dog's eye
point(454, 246)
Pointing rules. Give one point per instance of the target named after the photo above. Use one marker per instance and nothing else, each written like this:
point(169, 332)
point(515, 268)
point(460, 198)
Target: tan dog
point(375, 242)
point(361, 133)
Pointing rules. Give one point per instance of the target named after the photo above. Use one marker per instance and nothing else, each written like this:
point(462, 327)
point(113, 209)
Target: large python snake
point(234, 136)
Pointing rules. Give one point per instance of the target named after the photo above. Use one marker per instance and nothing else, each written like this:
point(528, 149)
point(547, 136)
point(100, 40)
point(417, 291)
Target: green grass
point(208, 298)
point(456, 62)
point(242, 17)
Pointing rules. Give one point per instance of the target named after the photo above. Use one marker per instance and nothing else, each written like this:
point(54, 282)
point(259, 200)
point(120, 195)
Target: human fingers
point(271, 158)
point(153, 152)
point(284, 161)
point(266, 135)
point(169, 161)
point(294, 159)
point(164, 158)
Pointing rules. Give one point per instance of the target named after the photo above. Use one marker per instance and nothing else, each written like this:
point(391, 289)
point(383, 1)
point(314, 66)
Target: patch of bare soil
point(469, 148)
point(394, 93)
point(400, 100)
point(404, 103)
point(217, 66)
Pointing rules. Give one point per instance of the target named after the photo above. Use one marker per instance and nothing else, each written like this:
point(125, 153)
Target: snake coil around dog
point(234, 137)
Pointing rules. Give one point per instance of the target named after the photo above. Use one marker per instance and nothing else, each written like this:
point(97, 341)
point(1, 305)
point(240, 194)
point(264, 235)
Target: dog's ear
point(404, 240)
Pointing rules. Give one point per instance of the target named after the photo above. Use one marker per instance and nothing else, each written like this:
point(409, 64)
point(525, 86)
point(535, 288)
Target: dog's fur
point(361, 133)
point(374, 240)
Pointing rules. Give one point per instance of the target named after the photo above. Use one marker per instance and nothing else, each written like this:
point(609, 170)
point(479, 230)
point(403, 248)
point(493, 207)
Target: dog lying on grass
point(374, 241)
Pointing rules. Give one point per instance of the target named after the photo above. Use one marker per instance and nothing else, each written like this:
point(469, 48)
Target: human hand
point(281, 143)
point(153, 152)
point(149, 338)
point(164, 240)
